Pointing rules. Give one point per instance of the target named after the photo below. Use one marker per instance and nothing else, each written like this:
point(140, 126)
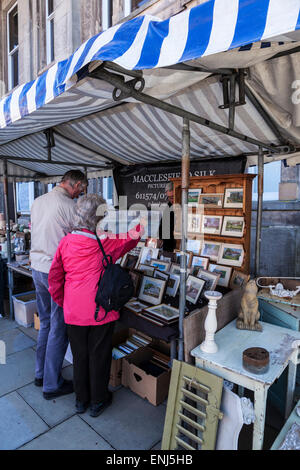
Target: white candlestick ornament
point(209, 345)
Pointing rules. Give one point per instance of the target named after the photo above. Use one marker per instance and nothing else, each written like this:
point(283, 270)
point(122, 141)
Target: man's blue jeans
point(52, 340)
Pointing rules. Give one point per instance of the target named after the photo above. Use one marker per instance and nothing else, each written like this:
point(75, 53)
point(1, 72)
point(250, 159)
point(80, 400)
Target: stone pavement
point(28, 421)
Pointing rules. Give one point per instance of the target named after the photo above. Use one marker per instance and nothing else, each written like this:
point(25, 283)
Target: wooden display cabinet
point(216, 185)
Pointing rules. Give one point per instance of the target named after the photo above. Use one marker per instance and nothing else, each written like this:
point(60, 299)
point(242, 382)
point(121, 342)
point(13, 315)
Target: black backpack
point(115, 286)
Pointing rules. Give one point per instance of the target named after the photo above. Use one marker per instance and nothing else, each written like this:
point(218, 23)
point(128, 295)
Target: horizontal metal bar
point(189, 434)
point(191, 422)
point(120, 84)
point(194, 396)
point(35, 160)
point(196, 384)
point(194, 68)
point(190, 408)
point(183, 444)
point(118, 68)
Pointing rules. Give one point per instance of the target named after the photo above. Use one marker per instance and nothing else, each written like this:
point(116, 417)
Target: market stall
point(128, 97)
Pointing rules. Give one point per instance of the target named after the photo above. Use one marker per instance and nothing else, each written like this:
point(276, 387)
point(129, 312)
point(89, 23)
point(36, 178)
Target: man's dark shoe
point(64, 389)
point(81, 407)
point(38, 382)
point(96, 410)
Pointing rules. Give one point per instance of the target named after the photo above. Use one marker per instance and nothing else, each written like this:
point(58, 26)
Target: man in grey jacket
point(51, 219)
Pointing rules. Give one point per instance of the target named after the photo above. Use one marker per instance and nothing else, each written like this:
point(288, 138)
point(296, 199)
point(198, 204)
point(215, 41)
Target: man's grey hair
point(169, 186)
point(85, 212)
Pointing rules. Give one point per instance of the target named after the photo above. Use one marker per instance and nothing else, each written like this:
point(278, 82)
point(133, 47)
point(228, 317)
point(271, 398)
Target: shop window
point(50, 30)
point(108, 190)
point(106, 14)
point(131, 5)
point(25, 197)
point(13, 47)
point(272, 175)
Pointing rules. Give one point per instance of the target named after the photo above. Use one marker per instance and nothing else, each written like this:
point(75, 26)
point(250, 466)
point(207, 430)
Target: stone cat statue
point(249, 314)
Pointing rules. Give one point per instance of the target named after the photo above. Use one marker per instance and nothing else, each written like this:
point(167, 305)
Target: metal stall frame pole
point(9, 273)
point(260, 192)
point(15, 200)
point(185, 179)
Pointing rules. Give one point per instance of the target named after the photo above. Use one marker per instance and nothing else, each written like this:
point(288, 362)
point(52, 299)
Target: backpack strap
point(107, 259)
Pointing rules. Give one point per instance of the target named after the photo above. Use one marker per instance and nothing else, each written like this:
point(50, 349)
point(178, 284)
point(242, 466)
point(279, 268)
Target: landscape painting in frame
point(160, 264)
point(164, 311)
point(193, 196)
point(234, 198)
point(147, 254)
point(194, 288)
point(233, 255)
point(135, 305)
point(200, 261)
point(211, 250)
point(212, 224)
point(233, 226)
point(211, 200)
point(173, 284)
point(211, 279)
point(152, 290)
point(224, 271)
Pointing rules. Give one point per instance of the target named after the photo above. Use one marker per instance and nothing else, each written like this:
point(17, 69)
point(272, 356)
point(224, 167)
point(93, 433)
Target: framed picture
point(233, 226)
point(160, 264)
point(135, 306)
point(211, 250)
point(233, 255)
point(173, 284)
point(193, 196)
point(211, 200)
point(146, 254)
point(175, 269)
point(152, 290)
point(200, 261)
point(212, 224)
point(164, 311)
point(194, 246)
point(194, 287)
point(234, 197)
point(224, 271)
point(161, 275)
point(194, 223)
point(146, 269)
point(238, 279)
point(136, 277)
point(211, 279)
point(189, 257)
point(129, 261)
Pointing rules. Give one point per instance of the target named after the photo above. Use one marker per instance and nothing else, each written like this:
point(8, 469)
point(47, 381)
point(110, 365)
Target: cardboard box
point(120, 337)
point(154, 389)
point(36, 321)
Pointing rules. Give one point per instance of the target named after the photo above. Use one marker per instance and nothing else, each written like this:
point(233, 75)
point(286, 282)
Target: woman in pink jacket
point(73, 283)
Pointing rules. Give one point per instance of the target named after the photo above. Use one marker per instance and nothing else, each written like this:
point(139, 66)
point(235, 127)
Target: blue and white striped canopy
point(144, 43)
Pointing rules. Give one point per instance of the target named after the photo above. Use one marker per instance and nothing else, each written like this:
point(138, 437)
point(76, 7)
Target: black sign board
point(145, 184)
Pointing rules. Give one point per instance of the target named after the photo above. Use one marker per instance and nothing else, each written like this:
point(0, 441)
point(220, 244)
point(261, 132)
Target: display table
point(282, 344)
